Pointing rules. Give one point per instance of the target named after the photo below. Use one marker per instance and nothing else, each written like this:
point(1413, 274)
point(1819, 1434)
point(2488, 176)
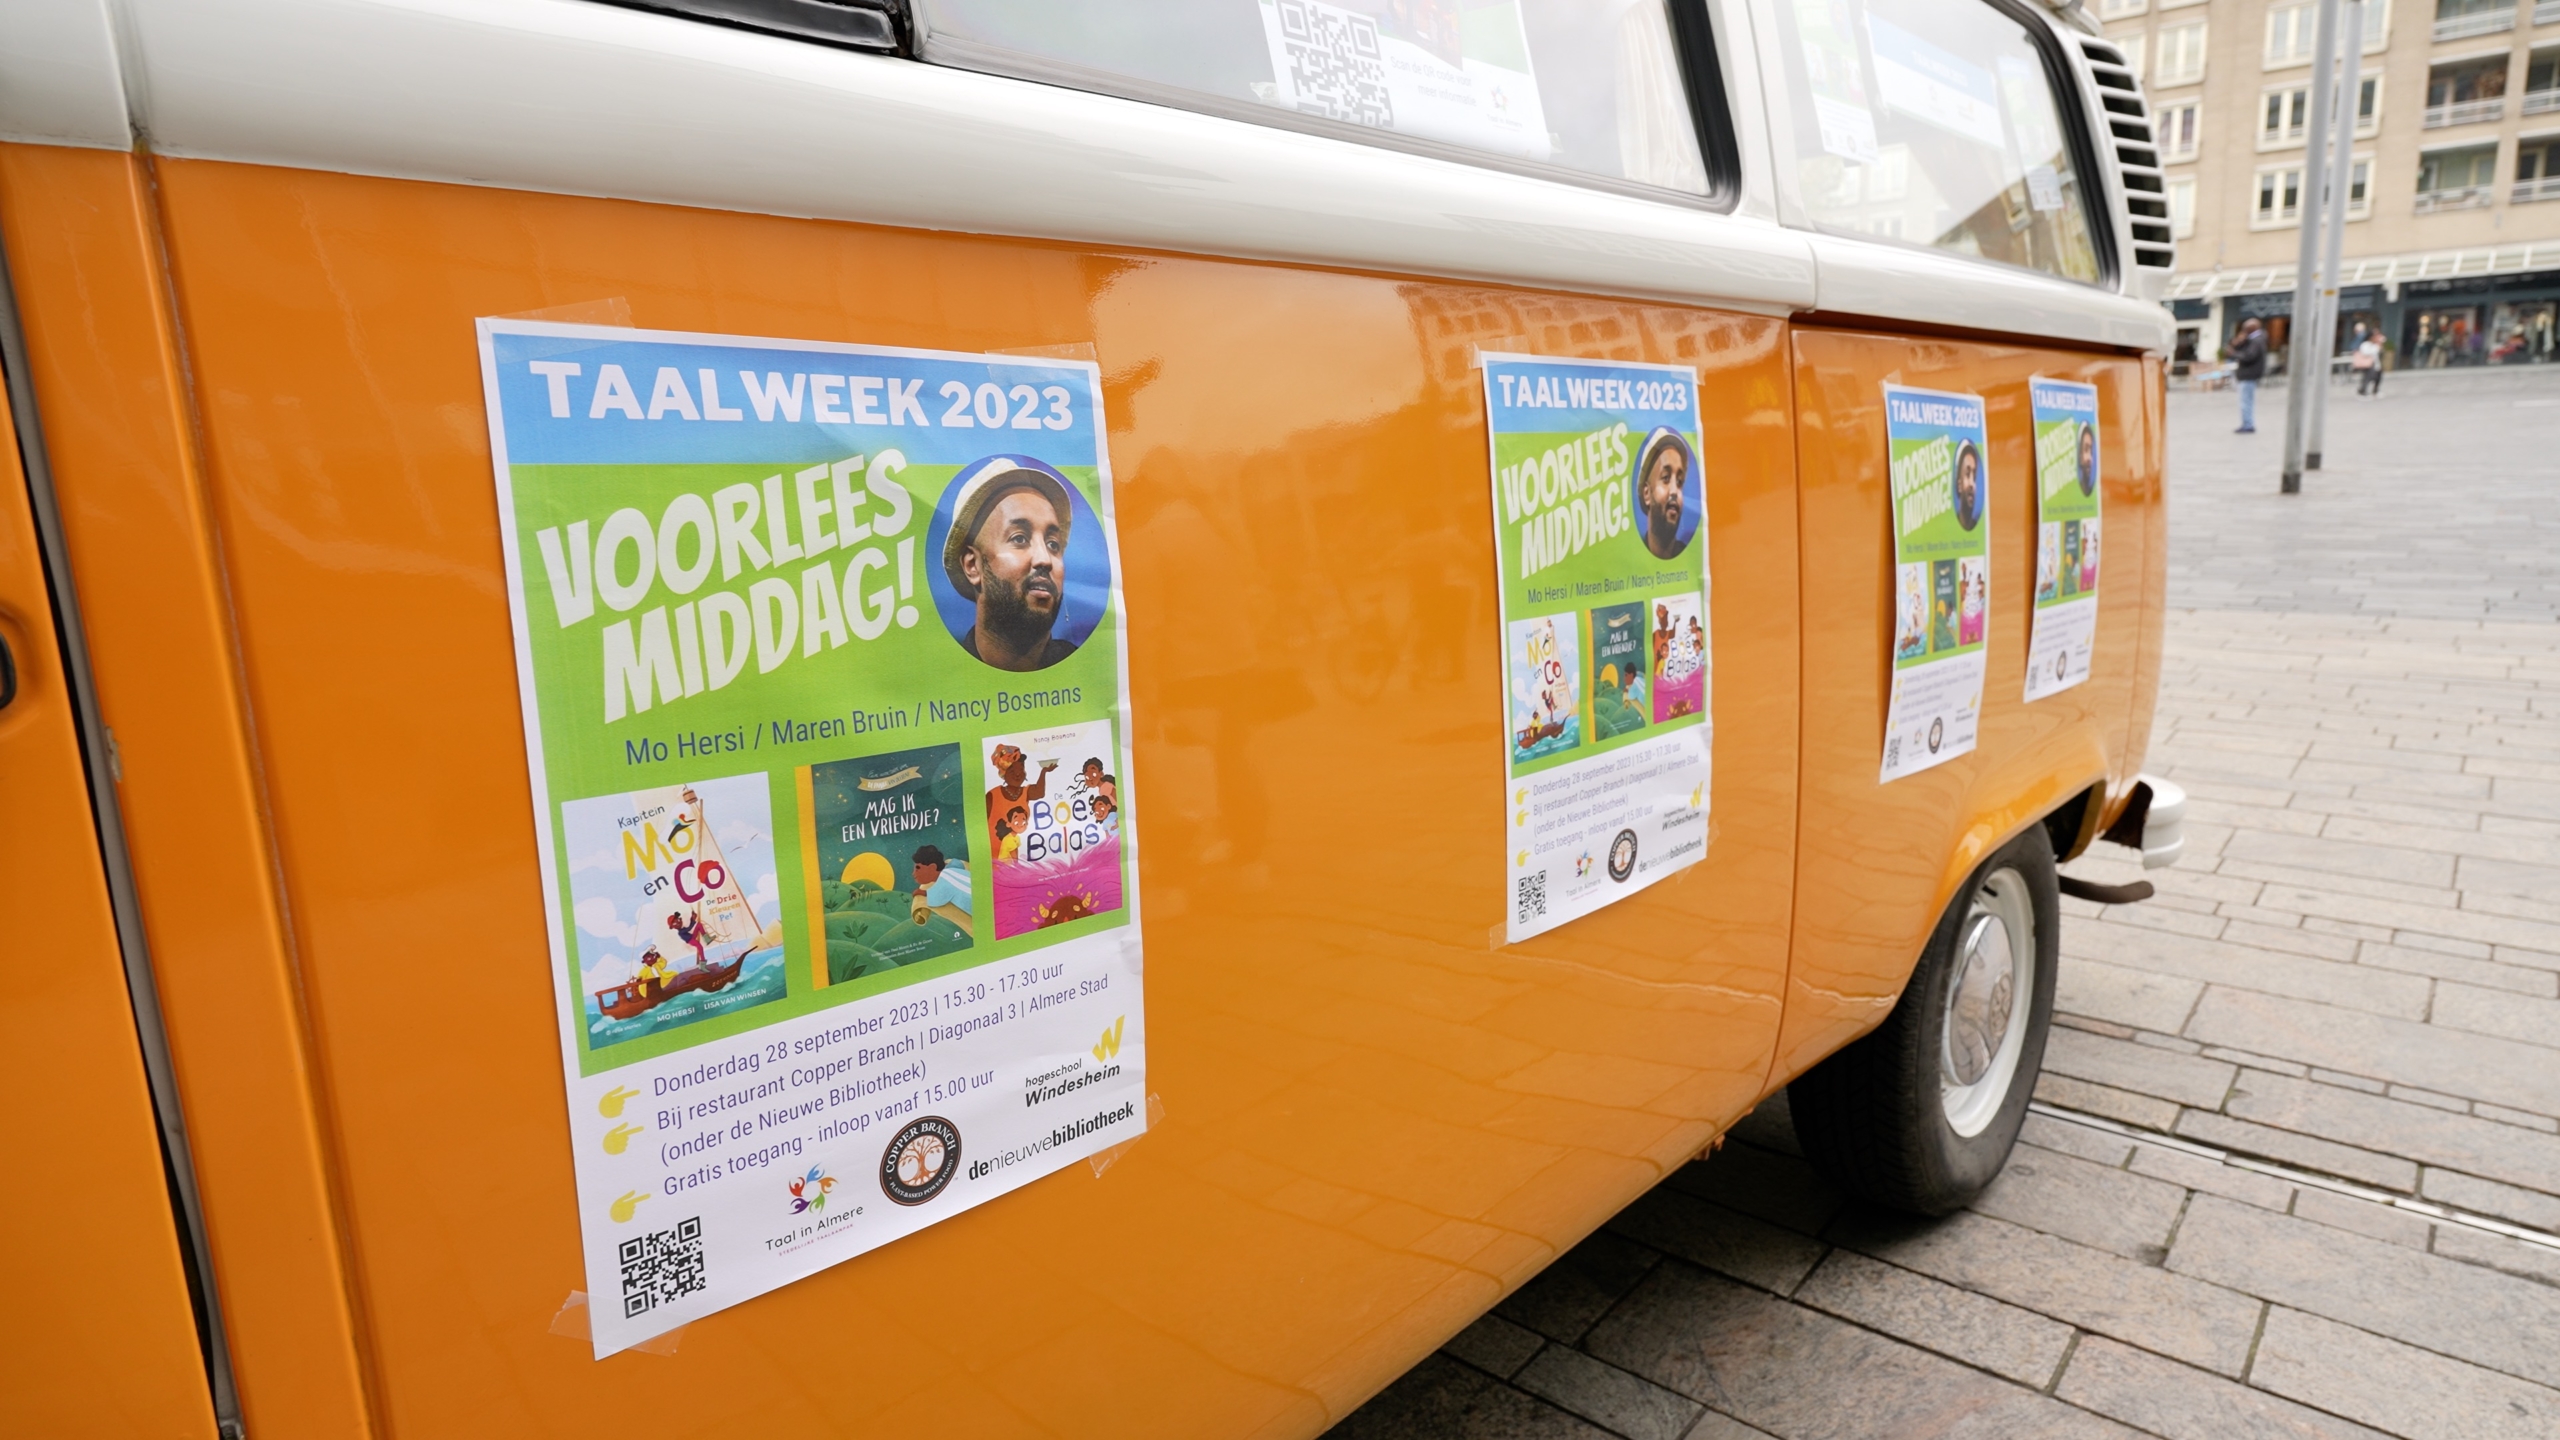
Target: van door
point(1968, 231)
point(97, 1335)
point(1379, 1118)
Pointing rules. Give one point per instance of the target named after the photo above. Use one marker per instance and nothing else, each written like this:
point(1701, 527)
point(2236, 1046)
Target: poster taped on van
point(1937, 455)
point(820, 651)
point(2060, 647)
point(1600, 528)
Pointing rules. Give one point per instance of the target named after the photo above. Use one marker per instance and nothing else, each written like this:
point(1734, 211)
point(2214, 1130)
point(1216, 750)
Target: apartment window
point(2182, 208)
point(2469, 93)
point(2456, 19)
point(2115, 9)
point(2181, 55)
point(2537, 168)
point(2176, 128)
point(2456, 169)
point(2291, 29)
point(2279, 198)
point(2289, 34)
point(2542, 82)
point(2456, 179)
point(2132, 46)
point(2283, 115)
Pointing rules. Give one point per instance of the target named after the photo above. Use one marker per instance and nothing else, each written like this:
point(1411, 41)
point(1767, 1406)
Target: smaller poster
point(2067, 502)
point(1454, 70)
point(1937, 455)
point(1600, 533)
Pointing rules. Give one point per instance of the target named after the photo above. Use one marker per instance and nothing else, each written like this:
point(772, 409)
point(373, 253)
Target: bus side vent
point(2128, 118)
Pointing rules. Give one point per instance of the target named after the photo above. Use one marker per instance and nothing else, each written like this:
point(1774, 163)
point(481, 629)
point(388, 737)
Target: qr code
point(1893, 752)
point(1533, 896)
point(662, 1267)
point(1335, 67)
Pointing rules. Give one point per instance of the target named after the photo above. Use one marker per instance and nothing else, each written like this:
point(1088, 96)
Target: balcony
point(2464, 112)
point(2528, 191)
point(2482, 22)
point(2538, 102)
point(2469, 197)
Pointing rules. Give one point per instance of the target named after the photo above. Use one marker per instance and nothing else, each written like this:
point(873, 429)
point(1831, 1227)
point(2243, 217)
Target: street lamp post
point(2299, 356)
point(2333, 216)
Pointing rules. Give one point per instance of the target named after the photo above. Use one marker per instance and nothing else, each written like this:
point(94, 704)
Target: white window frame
point(2182, 207)
point(2277, 218)
point(2165, 129)
point(2377, 33)
point(2357, 209)
point(2289, 138)
point(2136, 48)
point(2191, 58)
point(2119, 9)
point(2493, 147)
point(2301, 23)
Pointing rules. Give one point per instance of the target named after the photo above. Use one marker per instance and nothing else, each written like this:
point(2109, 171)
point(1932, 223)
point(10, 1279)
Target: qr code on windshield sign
point(1533, 897)
point(1335, 68)
point(662, 1267)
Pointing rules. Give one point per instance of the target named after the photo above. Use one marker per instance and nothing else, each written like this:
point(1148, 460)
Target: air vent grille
point(2146, 194)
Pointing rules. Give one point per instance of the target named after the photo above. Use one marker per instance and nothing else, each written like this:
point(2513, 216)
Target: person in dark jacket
point(2249, 366)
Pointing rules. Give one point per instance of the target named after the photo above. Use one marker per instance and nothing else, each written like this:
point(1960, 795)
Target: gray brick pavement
point(2354, 977)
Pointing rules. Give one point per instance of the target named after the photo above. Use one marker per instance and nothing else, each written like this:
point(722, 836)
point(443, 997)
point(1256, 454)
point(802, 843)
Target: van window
point(1595, 89)
point(1936, 122)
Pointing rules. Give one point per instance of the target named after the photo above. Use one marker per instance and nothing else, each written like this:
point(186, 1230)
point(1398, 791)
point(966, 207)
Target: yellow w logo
point(1109, 1045)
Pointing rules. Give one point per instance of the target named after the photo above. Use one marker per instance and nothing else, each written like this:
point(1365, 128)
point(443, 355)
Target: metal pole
point(2306, 274)
point(2334, 215)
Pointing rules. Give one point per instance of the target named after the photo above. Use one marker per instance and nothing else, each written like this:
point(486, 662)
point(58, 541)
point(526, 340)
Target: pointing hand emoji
point(611, 1106)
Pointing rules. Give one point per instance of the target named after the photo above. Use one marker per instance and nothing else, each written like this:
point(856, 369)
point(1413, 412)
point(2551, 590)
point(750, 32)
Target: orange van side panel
point(1377, 1120)
point(84, 252)
point(96, 1333)
point(1880, 862)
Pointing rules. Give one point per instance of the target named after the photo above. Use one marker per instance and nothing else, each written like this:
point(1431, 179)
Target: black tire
point(1876, 1117)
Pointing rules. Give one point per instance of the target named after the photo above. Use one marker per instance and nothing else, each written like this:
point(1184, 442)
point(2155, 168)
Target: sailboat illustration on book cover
point(676, 909)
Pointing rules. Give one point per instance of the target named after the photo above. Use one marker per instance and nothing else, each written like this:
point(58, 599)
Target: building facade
point(2452, 246)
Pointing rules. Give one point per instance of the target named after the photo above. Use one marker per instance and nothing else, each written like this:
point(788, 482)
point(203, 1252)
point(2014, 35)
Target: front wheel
point(1920, 1113)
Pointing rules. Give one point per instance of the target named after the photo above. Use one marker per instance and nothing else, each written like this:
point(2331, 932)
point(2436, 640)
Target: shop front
point(2481, 320)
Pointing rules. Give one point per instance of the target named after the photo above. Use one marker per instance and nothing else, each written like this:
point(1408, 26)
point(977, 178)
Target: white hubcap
point(1988, 1001)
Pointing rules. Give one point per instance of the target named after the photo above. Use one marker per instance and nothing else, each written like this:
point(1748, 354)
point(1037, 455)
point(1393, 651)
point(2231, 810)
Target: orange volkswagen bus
point(385, 375)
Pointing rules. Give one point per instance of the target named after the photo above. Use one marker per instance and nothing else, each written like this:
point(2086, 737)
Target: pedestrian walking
point(2249, 366)
point(2368, 366)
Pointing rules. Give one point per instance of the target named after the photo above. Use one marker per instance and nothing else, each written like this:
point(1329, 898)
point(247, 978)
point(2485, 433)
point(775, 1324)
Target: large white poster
point(826, 714)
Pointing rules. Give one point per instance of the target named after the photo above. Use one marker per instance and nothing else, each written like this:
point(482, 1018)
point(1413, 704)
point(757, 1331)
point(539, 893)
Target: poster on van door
point(2065, 417)
point(1937, 458)
point(1600, 530)
point(826, 708)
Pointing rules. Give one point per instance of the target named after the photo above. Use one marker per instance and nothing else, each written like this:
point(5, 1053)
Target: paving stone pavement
point(2288, 1102)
